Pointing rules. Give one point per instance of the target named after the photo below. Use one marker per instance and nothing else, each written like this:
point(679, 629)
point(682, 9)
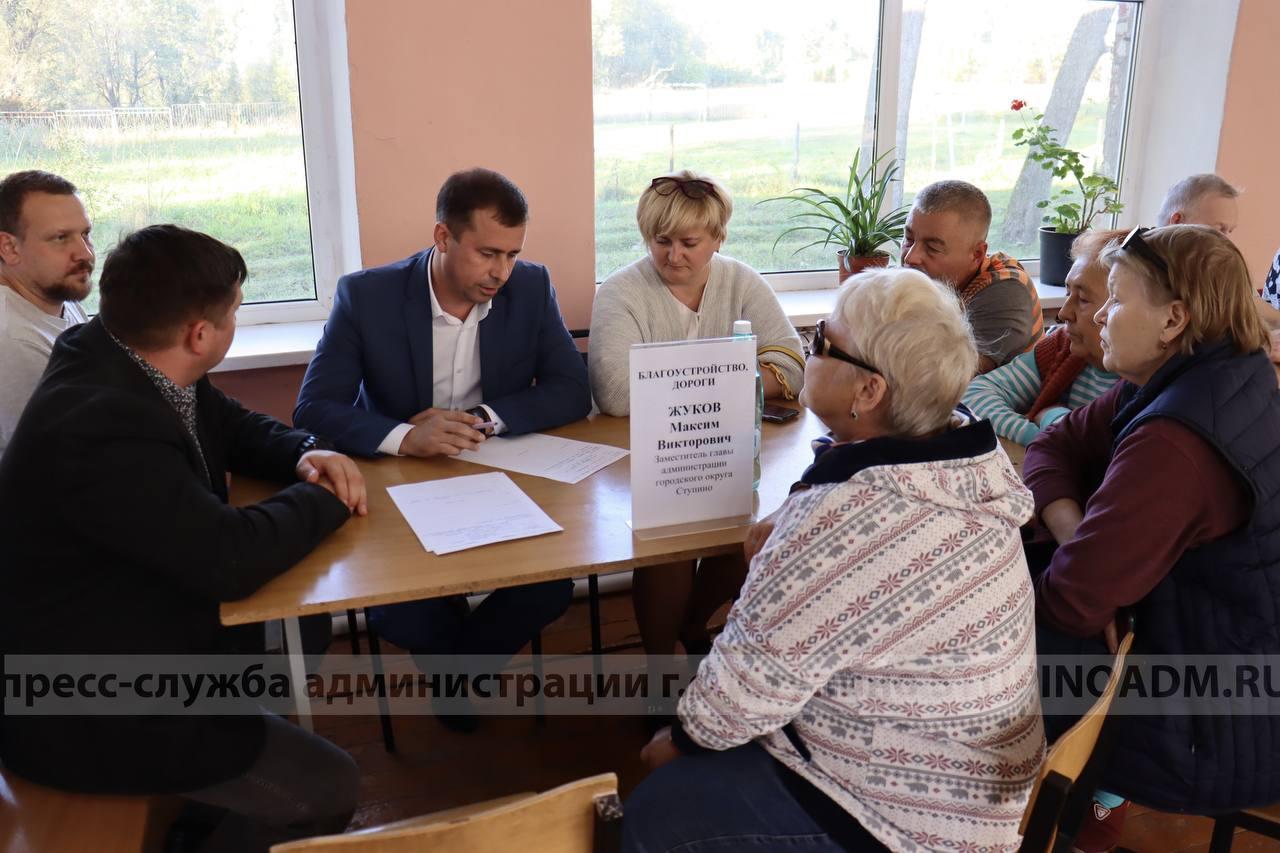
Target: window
point(761, 100)
point(962, 64)
point(182, 111)
point(767, 102)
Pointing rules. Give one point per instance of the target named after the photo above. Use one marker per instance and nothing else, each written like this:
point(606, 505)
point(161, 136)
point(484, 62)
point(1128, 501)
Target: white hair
point(914, 331)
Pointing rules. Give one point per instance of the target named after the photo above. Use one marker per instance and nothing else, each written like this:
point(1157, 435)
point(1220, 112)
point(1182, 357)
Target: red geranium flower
point(1017, 104)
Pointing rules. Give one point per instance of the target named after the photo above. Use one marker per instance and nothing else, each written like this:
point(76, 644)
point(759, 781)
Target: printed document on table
point(465, 512)
point(549, 456)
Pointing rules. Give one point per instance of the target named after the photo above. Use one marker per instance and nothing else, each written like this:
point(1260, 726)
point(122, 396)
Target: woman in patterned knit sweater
point(1064, 371)
point(875, 684)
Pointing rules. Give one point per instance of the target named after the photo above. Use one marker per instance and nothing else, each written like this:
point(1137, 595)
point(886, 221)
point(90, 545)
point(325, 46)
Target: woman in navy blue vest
point(1162, 497)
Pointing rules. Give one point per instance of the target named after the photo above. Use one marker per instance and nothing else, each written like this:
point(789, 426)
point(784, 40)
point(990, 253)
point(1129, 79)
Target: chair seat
point(36, 819)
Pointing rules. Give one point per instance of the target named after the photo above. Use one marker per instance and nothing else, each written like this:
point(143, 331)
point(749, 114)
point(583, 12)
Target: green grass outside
point(248, 188)
point(759, 168)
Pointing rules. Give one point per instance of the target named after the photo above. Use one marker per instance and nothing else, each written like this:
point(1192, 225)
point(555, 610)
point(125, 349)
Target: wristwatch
point(312, 442)
point(479, 412)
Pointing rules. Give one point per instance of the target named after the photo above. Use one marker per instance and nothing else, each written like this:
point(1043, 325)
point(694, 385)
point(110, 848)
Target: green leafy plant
point(854, 220)
point(1069, 213)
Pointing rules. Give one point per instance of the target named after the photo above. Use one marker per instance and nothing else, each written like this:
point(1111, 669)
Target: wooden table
point(378, 559)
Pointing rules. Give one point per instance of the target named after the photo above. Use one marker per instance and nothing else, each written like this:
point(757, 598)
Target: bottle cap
point(742, 327)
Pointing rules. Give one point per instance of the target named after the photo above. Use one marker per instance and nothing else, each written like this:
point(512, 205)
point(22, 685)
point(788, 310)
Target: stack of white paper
point(464, 512)
point(549, 456)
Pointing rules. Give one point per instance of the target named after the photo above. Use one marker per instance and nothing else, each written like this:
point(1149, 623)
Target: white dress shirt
point(455, 366)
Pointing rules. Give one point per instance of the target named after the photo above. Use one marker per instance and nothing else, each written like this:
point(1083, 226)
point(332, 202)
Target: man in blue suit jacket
point(431, 354)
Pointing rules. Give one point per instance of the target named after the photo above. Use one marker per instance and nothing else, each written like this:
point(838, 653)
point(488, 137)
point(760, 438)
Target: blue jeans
point(506, 620)
point(739, 799)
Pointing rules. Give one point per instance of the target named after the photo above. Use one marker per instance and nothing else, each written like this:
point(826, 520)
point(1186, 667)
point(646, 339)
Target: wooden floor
point(434, 768)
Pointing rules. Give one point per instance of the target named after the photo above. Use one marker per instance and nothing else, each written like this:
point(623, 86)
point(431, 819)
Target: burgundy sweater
point(1162, 491)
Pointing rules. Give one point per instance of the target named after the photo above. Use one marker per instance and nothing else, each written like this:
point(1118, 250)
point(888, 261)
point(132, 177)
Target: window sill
point(806, 307)
point(272, 345)
point(284, 344)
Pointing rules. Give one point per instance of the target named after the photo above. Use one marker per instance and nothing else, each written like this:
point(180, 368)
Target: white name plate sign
point(692, 434)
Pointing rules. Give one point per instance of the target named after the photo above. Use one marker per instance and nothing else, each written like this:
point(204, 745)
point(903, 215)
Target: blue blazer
point(372, 367)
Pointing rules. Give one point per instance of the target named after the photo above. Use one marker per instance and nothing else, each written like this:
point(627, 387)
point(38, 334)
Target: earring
point(853, 413)
point(1164, 345)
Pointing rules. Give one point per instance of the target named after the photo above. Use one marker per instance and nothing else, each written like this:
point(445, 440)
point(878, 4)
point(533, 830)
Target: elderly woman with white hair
point(875, 685)
point(684, 289)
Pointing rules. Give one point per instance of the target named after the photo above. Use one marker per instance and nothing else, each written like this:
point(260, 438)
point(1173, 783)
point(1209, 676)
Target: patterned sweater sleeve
point(1004, 394)
point(763, 668)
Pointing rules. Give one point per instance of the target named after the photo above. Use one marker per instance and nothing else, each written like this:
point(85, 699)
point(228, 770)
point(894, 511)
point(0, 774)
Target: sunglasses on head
point(1133, 242)
point(824, 347)
point(691, 188)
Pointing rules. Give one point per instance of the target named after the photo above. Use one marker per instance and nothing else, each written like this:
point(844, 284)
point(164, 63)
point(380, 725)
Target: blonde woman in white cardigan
point(683, 289)
point(875, 685)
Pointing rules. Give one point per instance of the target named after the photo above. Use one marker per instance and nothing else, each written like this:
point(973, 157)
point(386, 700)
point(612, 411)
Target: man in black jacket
point(118, 540)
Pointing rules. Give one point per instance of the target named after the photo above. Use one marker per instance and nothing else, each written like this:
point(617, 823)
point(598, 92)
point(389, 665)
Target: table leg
point(593, 594)
point(298, 672)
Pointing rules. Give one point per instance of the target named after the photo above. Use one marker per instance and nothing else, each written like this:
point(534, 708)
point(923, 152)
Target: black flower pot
point(1055, 256)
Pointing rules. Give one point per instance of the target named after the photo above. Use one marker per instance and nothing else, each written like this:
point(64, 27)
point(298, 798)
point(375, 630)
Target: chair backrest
point(562, 820)
point(1066, 760)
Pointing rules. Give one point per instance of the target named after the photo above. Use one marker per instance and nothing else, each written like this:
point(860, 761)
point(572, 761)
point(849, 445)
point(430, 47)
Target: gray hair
point(1188, 191)
point(961, 196)
point(915, 332)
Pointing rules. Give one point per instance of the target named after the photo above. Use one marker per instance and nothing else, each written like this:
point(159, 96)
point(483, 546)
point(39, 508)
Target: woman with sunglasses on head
point(684, 289)
point(875, 685)
point(1164, 498)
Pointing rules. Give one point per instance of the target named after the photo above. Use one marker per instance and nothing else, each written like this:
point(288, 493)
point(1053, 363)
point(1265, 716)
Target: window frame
point(1141, 72)
point(328, 151)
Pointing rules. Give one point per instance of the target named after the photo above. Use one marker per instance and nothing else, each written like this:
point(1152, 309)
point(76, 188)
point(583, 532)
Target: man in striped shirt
point(1064, 370)
point(946, 239)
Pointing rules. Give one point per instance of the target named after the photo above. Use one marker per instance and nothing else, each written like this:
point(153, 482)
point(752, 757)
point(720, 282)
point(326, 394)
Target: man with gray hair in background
point(946, 239)
point(46, 260)
point(1204, 199)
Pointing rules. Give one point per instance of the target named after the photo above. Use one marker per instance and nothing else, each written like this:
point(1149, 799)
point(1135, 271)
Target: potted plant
point(856, 221)
point(1071, 210)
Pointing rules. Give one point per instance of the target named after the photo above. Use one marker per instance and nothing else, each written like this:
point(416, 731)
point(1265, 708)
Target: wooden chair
point(1264, 821)
point(581, 817)
point(1065, 764)
point(36, 819)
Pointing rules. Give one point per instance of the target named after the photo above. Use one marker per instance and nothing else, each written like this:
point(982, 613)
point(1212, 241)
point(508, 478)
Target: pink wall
point(1250, 128)
point(506, 84)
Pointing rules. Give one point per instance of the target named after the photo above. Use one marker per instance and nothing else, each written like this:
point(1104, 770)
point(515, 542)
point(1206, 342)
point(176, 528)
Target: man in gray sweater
point(46, 260)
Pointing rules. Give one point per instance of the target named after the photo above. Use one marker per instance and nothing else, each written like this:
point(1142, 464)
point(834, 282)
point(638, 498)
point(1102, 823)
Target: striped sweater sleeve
point(1004, 394)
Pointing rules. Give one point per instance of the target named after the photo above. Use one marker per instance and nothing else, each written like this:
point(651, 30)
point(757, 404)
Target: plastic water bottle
point(742, 329)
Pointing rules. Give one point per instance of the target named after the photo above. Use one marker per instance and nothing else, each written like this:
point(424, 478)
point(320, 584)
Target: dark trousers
point(300, 785)
point(739, 799)
point(502, 624)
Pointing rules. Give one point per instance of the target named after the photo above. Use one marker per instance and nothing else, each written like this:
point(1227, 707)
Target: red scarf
point(1058, 370)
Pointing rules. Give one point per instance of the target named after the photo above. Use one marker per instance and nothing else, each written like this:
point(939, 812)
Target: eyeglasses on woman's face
point(822, 346)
